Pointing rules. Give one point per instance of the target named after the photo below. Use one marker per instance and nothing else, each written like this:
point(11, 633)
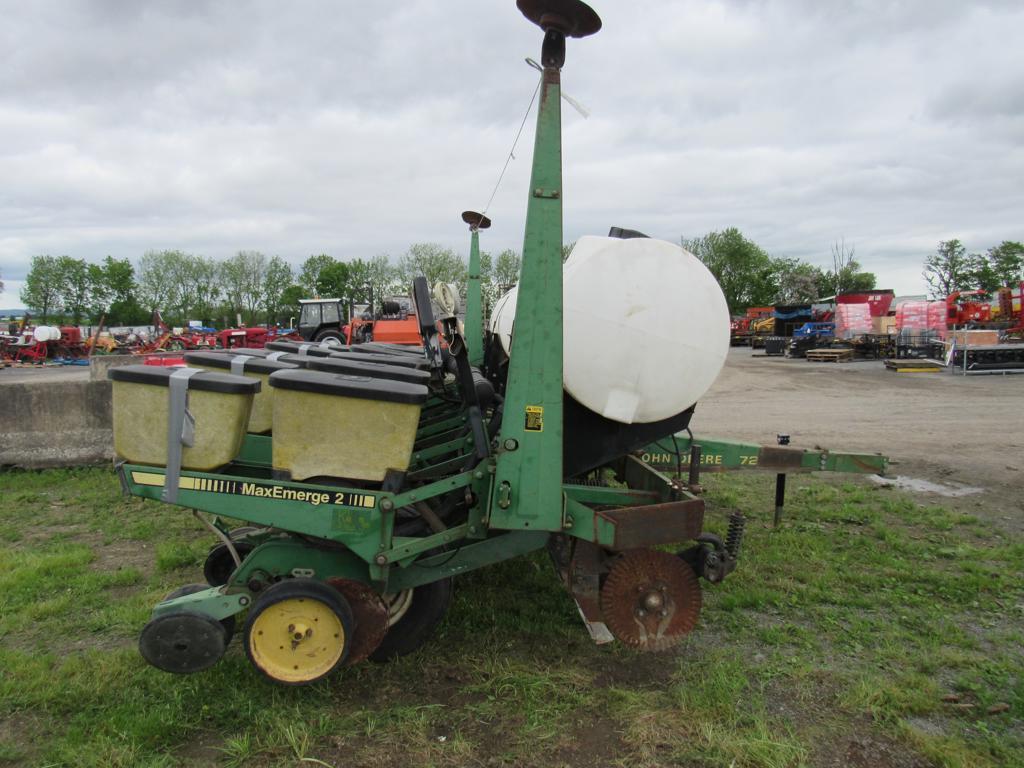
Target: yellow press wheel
point(298, 631)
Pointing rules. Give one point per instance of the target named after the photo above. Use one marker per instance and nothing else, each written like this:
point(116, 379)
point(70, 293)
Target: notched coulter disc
point(650, 599)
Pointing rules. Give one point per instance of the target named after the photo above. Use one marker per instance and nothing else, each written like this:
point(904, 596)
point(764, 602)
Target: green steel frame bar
point(529, 461)
point(474, 306)
point(726, 455)
point(362, 520)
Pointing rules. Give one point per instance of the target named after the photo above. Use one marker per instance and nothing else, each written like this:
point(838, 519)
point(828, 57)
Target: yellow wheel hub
point(297, 640)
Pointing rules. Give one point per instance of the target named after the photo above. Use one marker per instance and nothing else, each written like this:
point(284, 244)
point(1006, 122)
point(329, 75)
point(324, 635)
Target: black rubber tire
point(191, 589)
point(430, 603)
point(295, 588)
point(332, 336)
point(220, 565)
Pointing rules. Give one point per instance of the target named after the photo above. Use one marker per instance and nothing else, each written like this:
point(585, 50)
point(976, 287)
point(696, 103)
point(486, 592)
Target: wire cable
point(511, 152)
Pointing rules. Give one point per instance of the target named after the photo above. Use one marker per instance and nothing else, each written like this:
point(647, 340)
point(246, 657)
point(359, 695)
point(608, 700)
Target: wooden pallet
point(830, 355)
point(911, 365)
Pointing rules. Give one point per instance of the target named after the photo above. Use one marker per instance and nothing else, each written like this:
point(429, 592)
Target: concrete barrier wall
point(99, 365)
point(55, 423)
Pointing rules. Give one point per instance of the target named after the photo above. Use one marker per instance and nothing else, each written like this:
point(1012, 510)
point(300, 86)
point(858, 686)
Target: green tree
point(846, 275)
point(256, 267)
point(506, 270)
point(206, 292)
point(242, 277)
point(334, 281)
point(122, 305)
point(310, 273)
point(158, 273)
point(487, 290)
point(276, 281)
point(42, 290)
point(432, 261)
point(359, 282)
point(100, 294)
point(859, 282)
point(383, 277)
point(498, 275)
point(949, 269)
point(181, 285)
point(1005, 264)
point(743, 270)
point(290, 303)
point(73, 278)
point(798, 282)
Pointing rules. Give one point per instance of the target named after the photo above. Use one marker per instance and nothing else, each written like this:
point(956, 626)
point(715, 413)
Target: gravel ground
point(949, 429)
point(16, 374)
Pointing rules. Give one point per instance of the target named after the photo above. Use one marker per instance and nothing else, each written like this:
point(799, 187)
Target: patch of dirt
point(120, 554)
point(594, 743)
point(637, 670)
point(110, 556)
point(202, 749)
point(865, 749)
point(837, 740)
point(42, 533)
point(97, 643)
point(19, 732)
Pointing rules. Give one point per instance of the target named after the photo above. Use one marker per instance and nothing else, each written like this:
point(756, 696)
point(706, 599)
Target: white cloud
point(358, 129)
point(10, 296)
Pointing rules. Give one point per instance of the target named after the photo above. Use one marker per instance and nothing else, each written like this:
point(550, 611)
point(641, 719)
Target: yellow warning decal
point(534, 418)
point(312, 496)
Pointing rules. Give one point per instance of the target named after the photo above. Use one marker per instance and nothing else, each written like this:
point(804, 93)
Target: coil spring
point(734, 538)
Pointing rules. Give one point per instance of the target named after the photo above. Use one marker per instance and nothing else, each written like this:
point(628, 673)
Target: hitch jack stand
point(780, 496)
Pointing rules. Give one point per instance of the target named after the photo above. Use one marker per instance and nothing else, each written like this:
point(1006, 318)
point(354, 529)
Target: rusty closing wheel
point(371, 618)
point(650, 599)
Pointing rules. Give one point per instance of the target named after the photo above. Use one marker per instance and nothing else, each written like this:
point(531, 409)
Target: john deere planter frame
point(332, 574)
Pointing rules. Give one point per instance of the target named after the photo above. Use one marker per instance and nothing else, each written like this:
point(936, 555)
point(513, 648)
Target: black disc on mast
point(476, 220)
point(559, 19)
point(573, 18)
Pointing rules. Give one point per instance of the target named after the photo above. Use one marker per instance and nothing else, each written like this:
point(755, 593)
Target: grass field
point(870, 630)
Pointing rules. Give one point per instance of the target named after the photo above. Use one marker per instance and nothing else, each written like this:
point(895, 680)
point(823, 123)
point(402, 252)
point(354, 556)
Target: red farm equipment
point(45, 342)
point(242, 338)
point(998, 310)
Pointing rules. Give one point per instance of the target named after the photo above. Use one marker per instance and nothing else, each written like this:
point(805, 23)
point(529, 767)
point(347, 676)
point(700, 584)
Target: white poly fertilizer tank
point(502, 317)
point(646, 327)
point(46, 333)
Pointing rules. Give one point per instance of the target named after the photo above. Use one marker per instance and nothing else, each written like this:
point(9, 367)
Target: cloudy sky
point(359, 128)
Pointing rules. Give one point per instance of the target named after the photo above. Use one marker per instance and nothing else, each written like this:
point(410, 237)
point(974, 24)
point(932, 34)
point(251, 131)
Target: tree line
point(951, 268)
point(750, 277)
point(249, 285)
point(262, 289)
